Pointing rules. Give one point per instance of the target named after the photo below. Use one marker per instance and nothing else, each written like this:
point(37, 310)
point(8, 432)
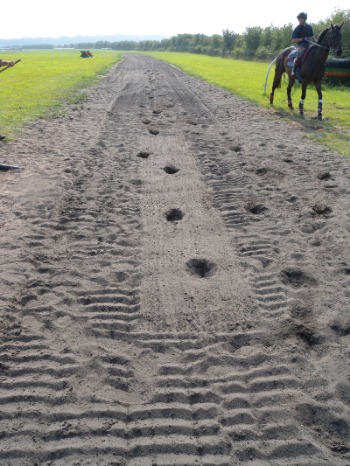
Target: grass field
point(43, 81)
point(247, 79)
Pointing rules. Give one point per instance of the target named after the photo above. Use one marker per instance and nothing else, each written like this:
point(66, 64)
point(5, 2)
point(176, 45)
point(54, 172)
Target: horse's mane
point(321, 37)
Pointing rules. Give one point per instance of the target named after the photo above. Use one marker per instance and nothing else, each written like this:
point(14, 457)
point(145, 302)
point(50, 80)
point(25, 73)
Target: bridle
point(330, 29)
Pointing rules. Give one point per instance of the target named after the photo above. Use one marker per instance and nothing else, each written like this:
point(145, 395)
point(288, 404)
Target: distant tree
point(252, 40)
point(281, 37)
point(229, 41)
point(255, 42)
point(124, 45)
point(266, 37)
point(165, 44)
point(148, 45)
point(215, 45)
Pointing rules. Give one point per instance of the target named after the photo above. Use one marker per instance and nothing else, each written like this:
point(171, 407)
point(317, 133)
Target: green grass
point(247, 79)
point(43, 81)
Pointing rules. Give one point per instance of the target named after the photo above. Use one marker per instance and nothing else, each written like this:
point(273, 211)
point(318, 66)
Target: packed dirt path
point(174, 283)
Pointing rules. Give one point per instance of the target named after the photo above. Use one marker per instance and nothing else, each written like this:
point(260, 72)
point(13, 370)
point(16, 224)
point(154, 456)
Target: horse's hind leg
point(272, 94)
point(275, 85)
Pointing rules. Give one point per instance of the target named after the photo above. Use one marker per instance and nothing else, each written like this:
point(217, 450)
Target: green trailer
point(338, 72)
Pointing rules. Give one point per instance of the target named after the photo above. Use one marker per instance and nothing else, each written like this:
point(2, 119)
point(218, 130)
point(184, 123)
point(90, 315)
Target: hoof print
point(170, 169)
point(144, 154)
point(202, 268)
point(324, 176)
point(174, 215)
point(321, 209)
point(256, 209)
point(296, 278)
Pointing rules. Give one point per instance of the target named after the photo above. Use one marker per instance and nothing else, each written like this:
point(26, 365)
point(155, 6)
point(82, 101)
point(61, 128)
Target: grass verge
point(44, 81)
point(247, 79)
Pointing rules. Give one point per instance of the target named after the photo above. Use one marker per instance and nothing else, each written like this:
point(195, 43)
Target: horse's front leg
point(319, 92)
point(302, 99)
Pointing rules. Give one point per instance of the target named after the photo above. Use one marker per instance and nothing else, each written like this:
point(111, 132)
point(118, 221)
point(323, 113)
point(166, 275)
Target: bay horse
point(312, 68)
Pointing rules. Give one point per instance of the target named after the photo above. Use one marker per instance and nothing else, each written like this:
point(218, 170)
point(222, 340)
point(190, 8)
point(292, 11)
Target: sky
point(45, 18)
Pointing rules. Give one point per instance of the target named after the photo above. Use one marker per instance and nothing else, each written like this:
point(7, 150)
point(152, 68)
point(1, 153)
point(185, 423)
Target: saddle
point(294, 53)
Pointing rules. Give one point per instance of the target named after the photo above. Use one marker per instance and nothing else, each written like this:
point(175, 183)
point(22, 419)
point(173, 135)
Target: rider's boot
point(294, 66)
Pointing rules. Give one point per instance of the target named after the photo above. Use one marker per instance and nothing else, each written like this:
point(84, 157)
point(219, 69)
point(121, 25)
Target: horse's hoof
point(271, 99)
point(319, 117)
point(290, 107)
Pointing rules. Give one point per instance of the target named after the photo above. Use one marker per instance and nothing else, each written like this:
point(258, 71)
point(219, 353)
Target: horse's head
point(335, 39)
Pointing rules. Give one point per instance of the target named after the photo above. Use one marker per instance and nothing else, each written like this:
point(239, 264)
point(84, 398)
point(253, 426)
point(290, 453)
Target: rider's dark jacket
point(302, 31)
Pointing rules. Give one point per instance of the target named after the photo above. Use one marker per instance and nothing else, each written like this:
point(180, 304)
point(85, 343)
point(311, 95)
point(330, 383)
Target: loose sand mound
point(174, 283)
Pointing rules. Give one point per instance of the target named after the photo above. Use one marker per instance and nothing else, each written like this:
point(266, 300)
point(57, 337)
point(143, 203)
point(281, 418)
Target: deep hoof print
point(308, 335)
point(341, 327)
point(321, 209)
point(201, 267)
point(170, 169)
point(144, 154)
point(154, 132)
point(296, 278)
point(174, 215)
point(261, 171)
point(256, 209)
point(324, 176)
point(292, 199)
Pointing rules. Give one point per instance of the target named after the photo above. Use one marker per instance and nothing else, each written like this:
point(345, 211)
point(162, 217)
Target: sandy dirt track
point(174, 283)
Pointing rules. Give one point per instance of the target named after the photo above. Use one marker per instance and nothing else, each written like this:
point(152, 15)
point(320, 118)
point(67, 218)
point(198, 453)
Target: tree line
point(254, 43)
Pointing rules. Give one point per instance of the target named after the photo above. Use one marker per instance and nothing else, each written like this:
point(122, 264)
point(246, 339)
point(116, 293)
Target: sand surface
point(174, 282)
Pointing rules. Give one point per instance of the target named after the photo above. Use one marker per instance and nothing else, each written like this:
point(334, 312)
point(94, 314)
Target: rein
point(318, 45)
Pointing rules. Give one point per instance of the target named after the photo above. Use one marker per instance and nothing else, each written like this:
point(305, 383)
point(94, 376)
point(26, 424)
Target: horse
point(312, 68)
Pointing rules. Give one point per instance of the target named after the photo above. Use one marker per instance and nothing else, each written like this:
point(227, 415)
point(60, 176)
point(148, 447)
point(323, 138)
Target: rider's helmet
point(302, 15)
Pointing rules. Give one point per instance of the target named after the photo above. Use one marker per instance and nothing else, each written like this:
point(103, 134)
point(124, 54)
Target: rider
point(302, 35)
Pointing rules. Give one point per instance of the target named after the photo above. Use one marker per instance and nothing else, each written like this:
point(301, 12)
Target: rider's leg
point(297, 60)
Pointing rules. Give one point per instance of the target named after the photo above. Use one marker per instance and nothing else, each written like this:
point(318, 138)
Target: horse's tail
point(280, 69)
point(267, 74)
